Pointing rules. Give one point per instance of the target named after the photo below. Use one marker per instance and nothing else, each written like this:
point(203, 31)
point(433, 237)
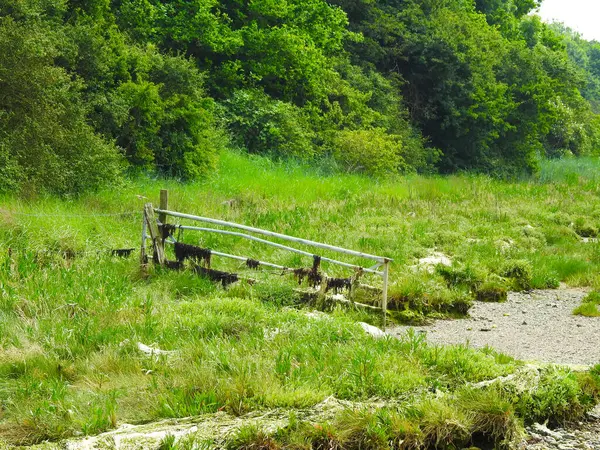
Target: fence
point(156, 230)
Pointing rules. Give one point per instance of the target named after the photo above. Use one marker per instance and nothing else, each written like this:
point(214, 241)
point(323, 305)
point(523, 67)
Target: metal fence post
point(384, 296)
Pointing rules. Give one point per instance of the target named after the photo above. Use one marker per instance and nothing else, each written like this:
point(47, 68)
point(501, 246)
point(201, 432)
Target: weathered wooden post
point(162, 217)
point(157, 244)
point(164, 205)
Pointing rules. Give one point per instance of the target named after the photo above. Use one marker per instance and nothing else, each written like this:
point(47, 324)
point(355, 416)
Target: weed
point(444, 424)
point(557, 399)
point(467, 277)
point(592, 297)
point(251, 437)
point(167, 443)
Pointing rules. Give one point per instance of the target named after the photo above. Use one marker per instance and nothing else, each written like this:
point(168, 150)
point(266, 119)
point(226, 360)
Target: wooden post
point(354, 283)
point(164, 205)
point(159, 251)
point(322, 293)
point(162, 218)
point(384, 297)
point(143, 258)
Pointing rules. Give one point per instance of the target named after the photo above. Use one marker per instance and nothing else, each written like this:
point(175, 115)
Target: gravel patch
point(536, 326)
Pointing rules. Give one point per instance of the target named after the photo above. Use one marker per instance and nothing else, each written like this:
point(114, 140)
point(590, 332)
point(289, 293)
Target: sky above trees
point(580, 15)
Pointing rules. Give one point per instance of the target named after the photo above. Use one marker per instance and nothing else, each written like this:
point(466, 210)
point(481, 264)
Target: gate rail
point(154, 227)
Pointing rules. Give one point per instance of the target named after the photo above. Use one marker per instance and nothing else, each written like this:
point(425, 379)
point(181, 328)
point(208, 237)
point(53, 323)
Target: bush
point(369, 151)
point(159, 114)
point(46, 143)
point(266, 126)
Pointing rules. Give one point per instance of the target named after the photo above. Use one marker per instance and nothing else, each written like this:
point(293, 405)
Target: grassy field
point(72, 316)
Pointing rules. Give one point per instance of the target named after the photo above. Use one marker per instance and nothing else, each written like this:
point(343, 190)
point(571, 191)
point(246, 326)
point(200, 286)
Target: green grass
point(589, 305)
point(71, 316)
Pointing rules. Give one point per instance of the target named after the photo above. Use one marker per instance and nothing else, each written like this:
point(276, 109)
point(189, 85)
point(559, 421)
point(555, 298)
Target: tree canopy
point(90, 88)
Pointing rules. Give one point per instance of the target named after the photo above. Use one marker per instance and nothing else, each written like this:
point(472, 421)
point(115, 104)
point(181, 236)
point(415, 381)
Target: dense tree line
point(92, 88)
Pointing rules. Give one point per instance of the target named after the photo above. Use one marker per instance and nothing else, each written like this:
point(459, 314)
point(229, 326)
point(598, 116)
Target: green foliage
point(71, 316)
point(46, 143)
point(152, 105)
point(587, 309)
point(492, 415)
point(419, 293)
point(584, 228)
point(462, 276)
point(266, 126)
point(557, 399)
point(370, 151)
point(367, 86)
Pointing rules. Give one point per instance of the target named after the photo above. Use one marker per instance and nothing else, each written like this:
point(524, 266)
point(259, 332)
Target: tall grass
point(72, 316)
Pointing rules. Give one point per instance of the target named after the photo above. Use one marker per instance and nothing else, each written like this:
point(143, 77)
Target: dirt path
point(537, 326)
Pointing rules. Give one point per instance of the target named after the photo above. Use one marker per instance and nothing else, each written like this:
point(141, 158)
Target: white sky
point(580, 15)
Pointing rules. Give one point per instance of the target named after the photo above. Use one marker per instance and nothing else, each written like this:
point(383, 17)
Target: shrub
point(267, 126)
point(46, 143)
point(161, 117)
point(370, 151)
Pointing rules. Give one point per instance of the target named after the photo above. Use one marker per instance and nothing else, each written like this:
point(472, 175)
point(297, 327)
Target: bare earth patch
point(537, 326)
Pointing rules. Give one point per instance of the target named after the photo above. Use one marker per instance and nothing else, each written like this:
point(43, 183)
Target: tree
point(46, 143)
